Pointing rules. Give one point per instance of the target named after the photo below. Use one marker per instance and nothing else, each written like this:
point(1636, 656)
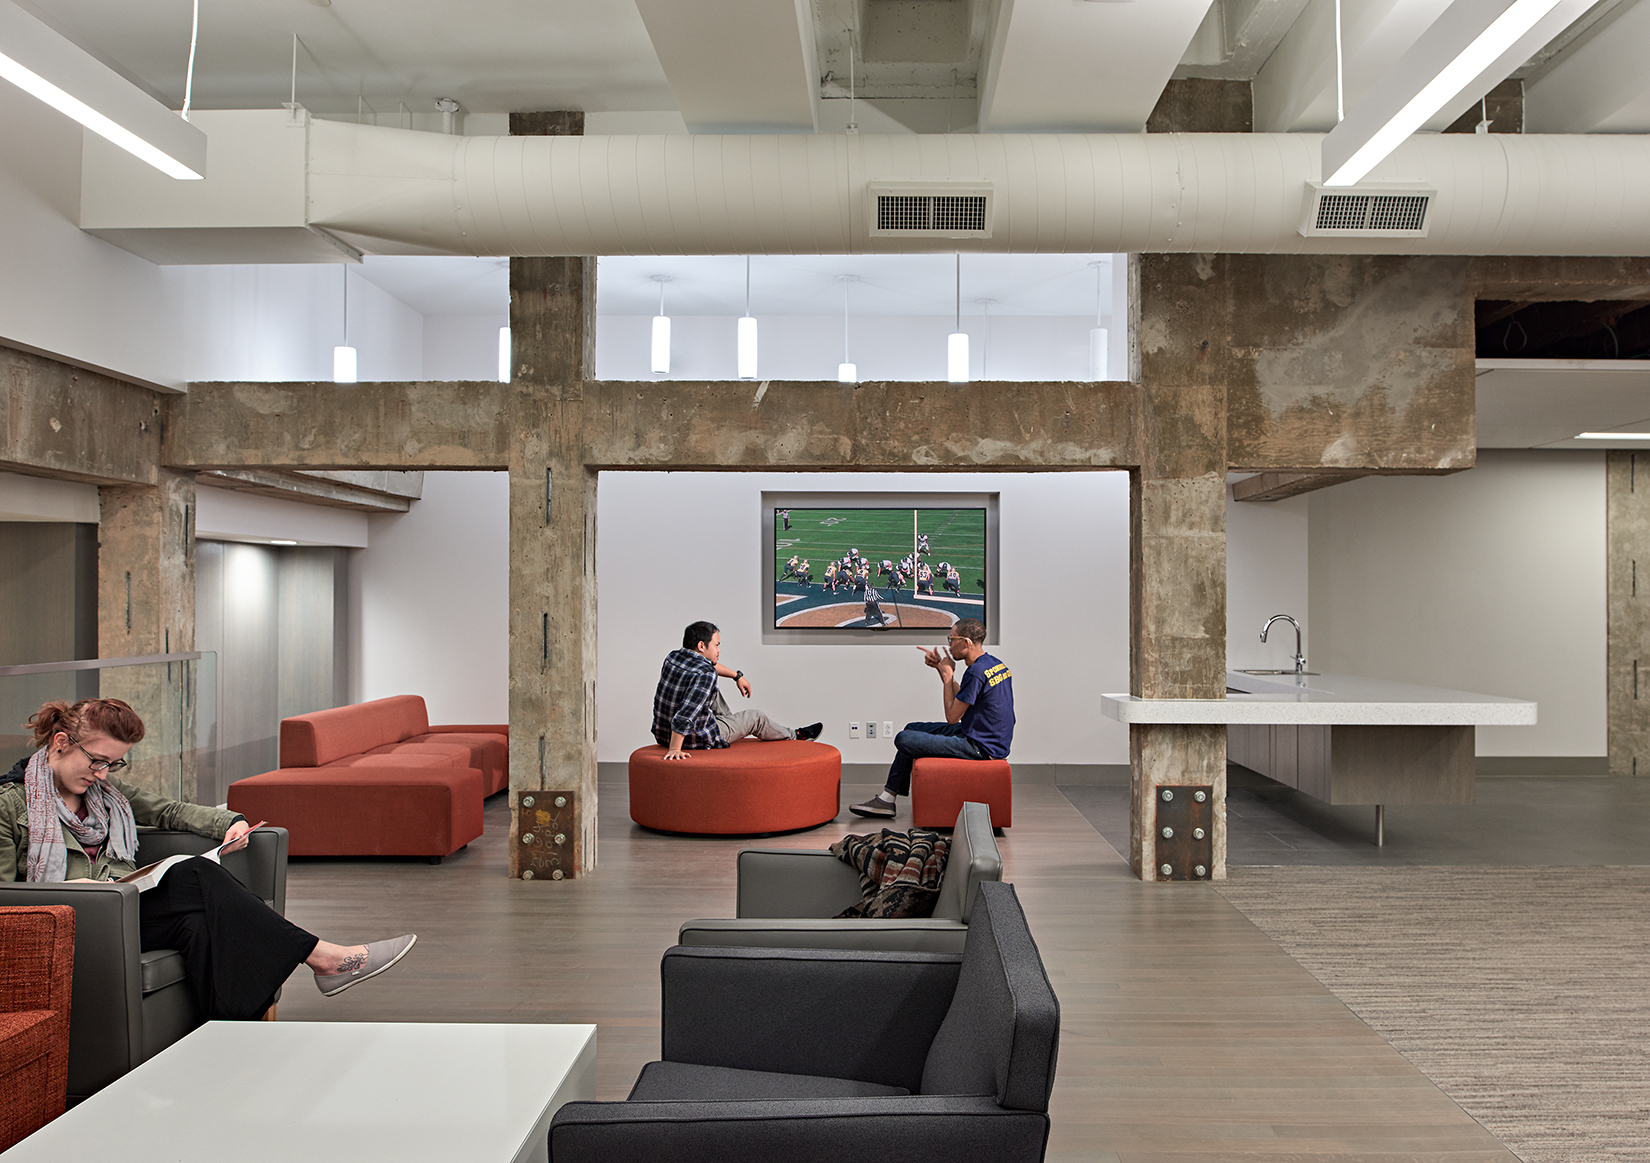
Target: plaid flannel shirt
point(685, 701)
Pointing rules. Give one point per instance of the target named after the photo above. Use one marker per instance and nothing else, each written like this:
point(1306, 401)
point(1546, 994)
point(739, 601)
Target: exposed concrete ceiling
point(919, 65)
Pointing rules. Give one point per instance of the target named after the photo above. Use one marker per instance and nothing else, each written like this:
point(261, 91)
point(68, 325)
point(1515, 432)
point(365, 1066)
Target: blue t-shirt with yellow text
point(988, 689)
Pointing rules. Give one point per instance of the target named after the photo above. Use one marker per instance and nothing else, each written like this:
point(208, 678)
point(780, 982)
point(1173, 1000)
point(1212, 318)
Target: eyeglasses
point(98, 763)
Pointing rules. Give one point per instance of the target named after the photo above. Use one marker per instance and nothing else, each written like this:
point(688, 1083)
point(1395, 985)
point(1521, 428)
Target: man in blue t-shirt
point(979, 716)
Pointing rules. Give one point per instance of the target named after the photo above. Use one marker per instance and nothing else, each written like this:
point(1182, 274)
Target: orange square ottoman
point(750, 788)
point(939, 787)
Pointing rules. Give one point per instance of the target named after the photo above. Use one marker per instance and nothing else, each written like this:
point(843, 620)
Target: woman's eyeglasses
point(98, 763)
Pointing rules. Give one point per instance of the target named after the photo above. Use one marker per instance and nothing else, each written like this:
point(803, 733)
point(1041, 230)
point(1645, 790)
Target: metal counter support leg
point(1380, 825)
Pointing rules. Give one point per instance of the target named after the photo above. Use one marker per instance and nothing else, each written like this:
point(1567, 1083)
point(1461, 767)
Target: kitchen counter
point(1326, 699)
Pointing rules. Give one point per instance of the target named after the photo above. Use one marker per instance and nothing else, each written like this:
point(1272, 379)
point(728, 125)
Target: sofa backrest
point(1002, 1032)
point(323, 736)
point(973, 857)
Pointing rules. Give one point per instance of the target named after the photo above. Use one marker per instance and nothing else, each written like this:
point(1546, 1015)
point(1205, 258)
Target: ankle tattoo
point(351, 963)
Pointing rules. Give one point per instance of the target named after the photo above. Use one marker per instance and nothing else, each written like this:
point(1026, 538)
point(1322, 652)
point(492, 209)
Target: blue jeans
point(927, 741)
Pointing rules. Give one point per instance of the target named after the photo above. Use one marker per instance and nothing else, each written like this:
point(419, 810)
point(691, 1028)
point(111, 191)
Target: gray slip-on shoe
point(380, 956)
point(875, 807)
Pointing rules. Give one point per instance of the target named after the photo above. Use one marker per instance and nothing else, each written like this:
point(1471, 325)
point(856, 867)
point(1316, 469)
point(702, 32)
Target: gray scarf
point(108, 820)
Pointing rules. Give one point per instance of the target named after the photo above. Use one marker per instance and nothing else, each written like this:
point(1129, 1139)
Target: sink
point(1300, 672)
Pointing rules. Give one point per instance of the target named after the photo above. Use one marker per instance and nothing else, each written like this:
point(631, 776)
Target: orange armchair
point(36, 980)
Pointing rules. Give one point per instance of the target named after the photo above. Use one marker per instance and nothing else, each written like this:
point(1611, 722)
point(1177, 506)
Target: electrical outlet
point(887, 728)
point(870, 728)
point(853, 730)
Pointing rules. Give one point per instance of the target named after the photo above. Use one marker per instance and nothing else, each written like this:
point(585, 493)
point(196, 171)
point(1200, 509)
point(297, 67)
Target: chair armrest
point(37, 959)
point(260, 866)
point(106, 1005)
point(911, 1129)
point(470, 729)
point(915, 935)
point(786, 882)
point(839, 1013)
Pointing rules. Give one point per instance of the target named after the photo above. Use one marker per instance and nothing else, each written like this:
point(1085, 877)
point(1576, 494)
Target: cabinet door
point(1285, 765)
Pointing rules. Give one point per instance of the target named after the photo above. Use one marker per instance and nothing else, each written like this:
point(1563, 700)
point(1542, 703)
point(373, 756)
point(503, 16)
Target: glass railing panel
point(174, 694)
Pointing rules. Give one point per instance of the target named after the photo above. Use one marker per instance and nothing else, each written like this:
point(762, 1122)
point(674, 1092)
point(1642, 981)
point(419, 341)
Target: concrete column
point(1178, 539)
point(146, 605)
point(1627, 557)
point(552, 558)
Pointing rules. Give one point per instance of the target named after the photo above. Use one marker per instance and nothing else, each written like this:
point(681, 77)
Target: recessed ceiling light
point(1613, 436)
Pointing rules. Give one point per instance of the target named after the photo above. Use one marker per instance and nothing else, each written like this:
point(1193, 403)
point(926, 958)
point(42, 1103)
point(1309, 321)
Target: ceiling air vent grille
point(1369, 211)
point(936, 209)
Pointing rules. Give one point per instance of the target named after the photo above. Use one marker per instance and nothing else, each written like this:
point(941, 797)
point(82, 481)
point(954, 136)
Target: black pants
point(237, 951)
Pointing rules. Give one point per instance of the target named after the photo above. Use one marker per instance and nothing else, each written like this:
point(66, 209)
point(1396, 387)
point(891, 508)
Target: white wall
point(672, 548)
point(26, 498)
point(231, 515)
point(1266, 574)
point(462, 347)
point(883, 347)
point(429, 601)
point(1490, 580)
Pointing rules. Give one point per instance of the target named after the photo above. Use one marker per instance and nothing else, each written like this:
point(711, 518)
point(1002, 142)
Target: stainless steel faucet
point(1300, 659)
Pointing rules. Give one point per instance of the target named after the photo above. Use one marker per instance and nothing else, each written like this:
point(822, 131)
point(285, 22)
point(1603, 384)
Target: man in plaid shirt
point(689, 712)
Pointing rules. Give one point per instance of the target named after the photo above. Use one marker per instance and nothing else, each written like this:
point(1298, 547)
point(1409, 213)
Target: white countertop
point(1326, 699)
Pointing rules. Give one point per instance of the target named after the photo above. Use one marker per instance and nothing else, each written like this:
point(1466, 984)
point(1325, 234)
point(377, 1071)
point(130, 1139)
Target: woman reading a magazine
point(64, 817)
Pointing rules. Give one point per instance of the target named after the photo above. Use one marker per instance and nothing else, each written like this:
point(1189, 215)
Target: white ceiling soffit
point(1598, 84)
point(1456, 28)
point(1237, 37)
point(738, 66)
point(1294, 91)
point(1070, 66)
point(1544, 403)
point(494, 57)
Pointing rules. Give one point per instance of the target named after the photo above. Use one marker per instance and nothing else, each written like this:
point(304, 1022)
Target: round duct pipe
point(398, 191)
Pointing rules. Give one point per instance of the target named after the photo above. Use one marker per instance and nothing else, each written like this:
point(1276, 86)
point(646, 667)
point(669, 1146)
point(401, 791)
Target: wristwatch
point(737, 675)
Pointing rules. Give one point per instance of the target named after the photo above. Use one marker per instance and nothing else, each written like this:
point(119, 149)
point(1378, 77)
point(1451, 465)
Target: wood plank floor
point(1186, 1034)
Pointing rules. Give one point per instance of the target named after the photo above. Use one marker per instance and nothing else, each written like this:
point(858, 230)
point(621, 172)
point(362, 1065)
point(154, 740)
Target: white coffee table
point(282, 1091)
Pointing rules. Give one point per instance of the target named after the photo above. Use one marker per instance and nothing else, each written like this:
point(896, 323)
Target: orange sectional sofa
point(376, 779)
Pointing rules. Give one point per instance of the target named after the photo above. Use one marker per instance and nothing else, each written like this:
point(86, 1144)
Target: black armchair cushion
point(913, 1129)
point(1002, 1033)
point(685, 1082)
point(827, 1012)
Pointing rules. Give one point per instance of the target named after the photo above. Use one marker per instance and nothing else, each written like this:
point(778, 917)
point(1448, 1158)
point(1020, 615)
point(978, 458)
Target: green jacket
point(148, 809)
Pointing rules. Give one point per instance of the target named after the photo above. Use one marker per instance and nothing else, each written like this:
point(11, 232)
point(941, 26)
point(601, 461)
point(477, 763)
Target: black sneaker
point(876, 806)
point(811, 731)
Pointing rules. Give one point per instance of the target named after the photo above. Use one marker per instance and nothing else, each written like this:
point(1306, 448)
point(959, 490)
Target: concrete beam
point(397, 425)
point(1014, 426)
point(65, 422)
point(1544, 279)
point(295, 486)
point(1279, 486)
point(1350, 362)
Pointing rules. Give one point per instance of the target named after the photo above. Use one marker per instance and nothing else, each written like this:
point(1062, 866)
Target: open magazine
point(150, 875)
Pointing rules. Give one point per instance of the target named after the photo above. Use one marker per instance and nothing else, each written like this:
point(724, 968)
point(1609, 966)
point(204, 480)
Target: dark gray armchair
point(788, 899)
point(128, 1005)
point(825, 1054)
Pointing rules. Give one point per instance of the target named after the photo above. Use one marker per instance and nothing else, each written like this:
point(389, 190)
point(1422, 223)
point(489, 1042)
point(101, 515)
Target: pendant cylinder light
point(343, 356)
point(747, 332)
point(661, 332)
point(956, 344)
point(504, 355)
point(1099, 340)
point(846, 372)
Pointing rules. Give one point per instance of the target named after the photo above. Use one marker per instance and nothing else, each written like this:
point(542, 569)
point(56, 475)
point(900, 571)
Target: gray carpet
point(1521, 992)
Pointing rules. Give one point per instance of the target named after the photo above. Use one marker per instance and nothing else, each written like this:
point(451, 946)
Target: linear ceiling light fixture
point(1613, 436)
point(47, 65)
point(1463, 44)
point(661, 332)
point(956, 344)
point(747, 332)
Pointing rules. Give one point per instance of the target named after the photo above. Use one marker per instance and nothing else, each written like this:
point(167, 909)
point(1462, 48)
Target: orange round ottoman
point(741, 790)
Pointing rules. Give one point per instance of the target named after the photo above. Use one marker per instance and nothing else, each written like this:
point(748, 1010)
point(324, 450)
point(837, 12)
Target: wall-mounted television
point(884, 568)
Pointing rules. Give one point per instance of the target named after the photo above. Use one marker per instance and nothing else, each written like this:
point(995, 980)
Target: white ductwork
point(398, 191)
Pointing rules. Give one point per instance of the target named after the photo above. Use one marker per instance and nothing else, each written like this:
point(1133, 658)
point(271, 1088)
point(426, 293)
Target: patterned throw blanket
point(900, 871)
